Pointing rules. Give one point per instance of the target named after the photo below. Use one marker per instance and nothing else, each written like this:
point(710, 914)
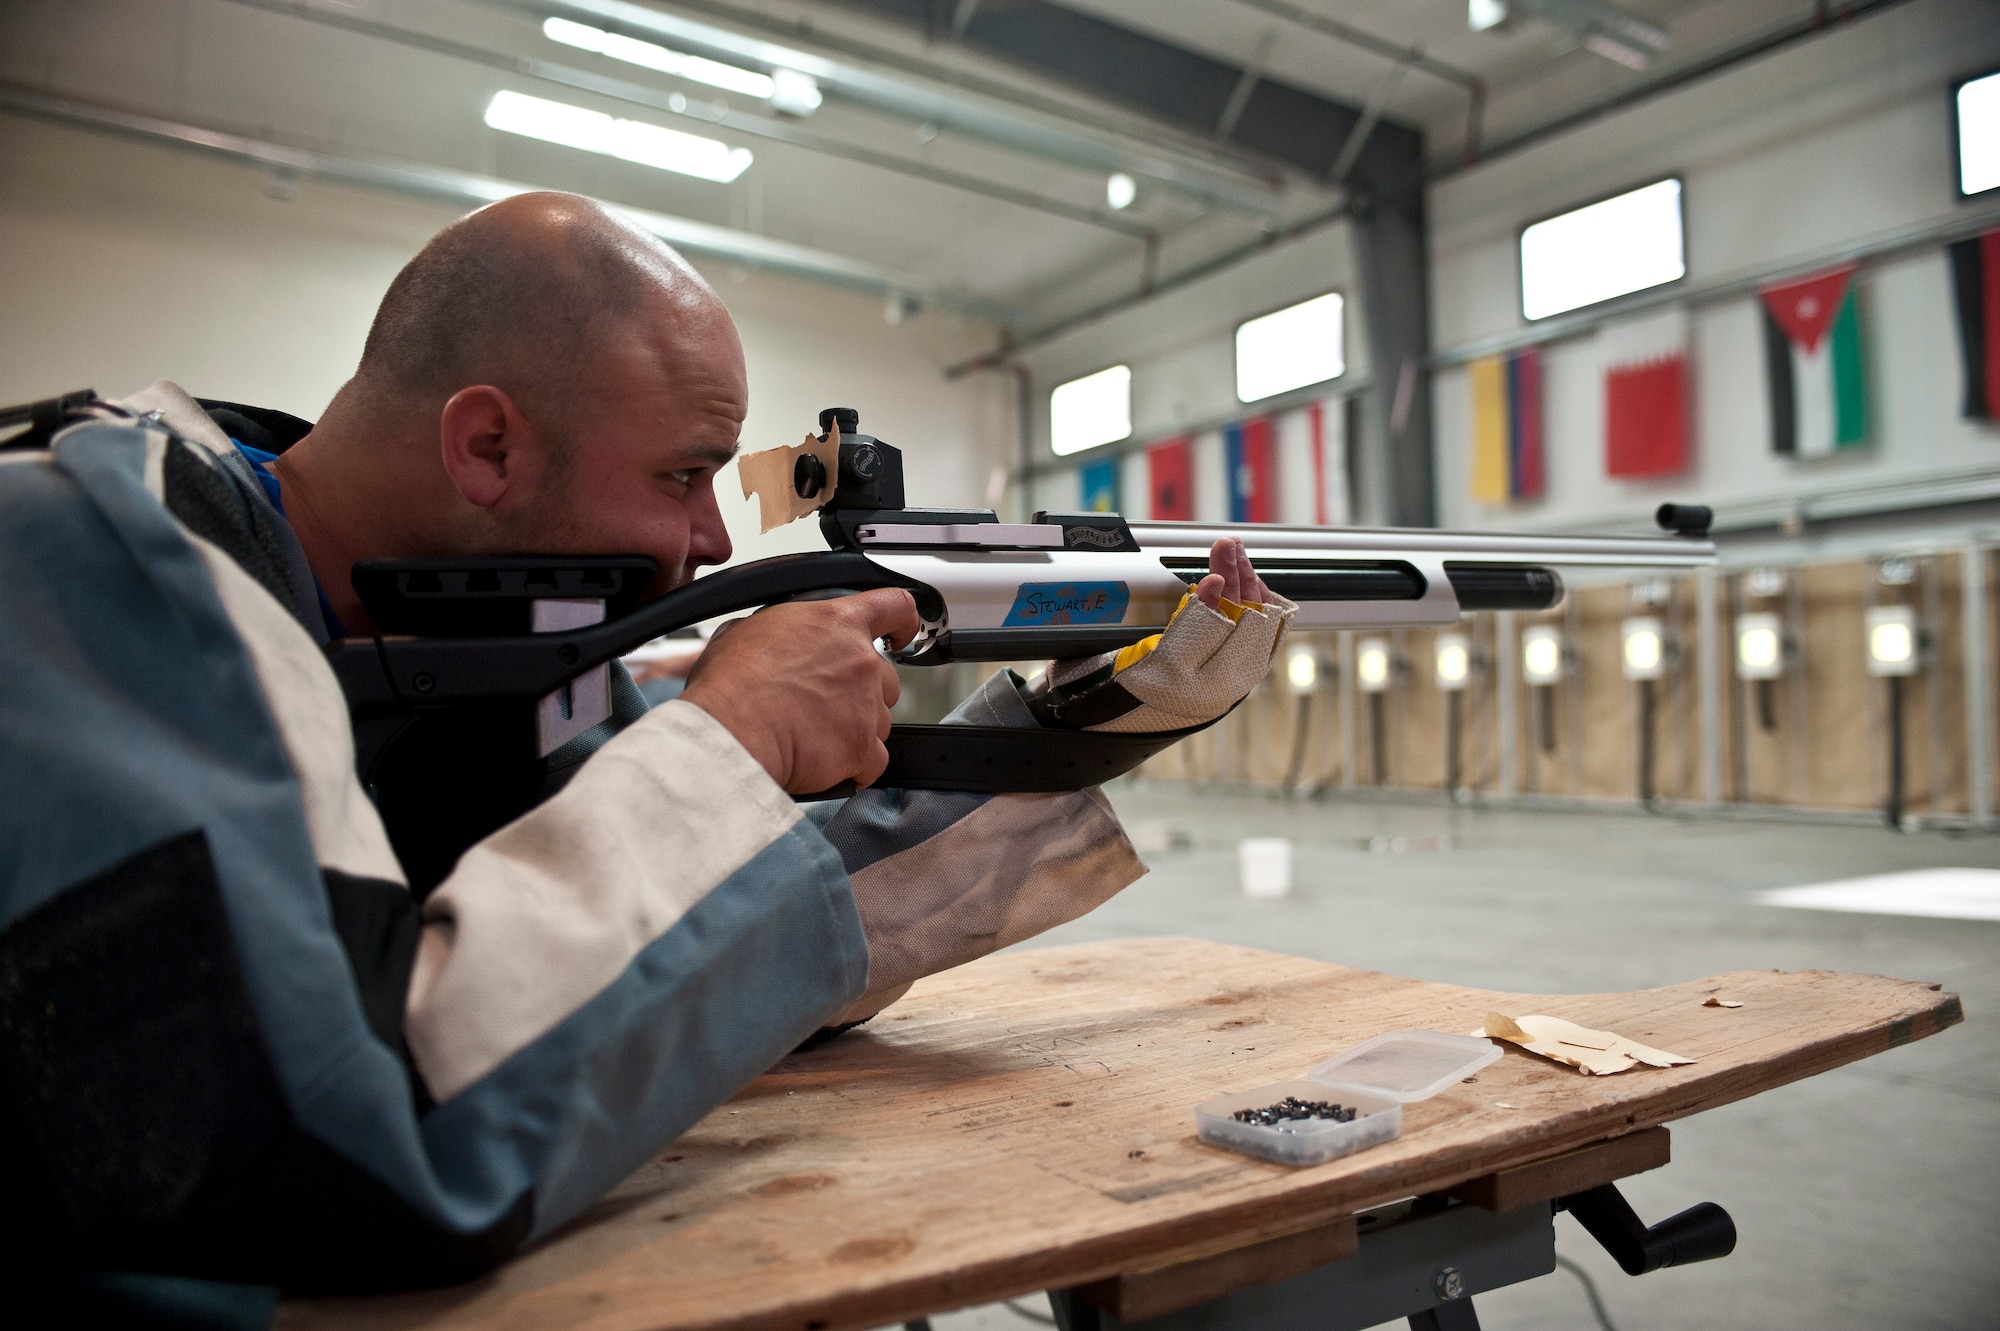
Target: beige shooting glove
point(1205, 663)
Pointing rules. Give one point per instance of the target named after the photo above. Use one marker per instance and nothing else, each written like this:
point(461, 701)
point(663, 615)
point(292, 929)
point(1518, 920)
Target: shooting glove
point(1205, 663)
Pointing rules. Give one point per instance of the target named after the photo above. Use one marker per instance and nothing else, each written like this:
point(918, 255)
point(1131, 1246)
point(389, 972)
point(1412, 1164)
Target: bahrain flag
point(1645, 395)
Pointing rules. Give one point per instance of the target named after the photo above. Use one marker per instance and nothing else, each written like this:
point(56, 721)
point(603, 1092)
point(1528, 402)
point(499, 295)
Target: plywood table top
point(1026, 1122)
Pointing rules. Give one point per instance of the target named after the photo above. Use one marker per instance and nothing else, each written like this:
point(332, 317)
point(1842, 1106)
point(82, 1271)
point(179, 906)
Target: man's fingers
point(892, 685)
point(873, 766)
point(1209, 591)
point(1253, 586)
point(1225, 562)
point(889, 612)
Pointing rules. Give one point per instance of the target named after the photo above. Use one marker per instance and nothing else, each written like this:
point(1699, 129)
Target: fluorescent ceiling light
point(1613, 248)
point(1978, 106)
point(1119, 191)
point(794, 93)
point(1485, 15)
point(1093, 410)
point(633, 51)
point(1290, 349)
point(631, 140)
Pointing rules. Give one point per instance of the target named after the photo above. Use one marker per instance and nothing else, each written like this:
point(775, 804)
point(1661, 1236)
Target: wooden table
point(1026, 1122)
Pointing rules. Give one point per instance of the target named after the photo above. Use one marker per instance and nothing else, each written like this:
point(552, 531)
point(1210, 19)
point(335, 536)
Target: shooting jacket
point(234, 1045)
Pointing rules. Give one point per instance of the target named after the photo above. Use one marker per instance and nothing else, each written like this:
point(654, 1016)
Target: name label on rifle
point(1037, 604)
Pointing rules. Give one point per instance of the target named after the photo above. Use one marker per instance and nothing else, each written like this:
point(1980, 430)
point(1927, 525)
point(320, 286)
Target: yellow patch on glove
point(1138, 651)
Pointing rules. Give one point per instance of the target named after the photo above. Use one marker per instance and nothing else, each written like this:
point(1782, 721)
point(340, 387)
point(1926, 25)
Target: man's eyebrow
point(717, 454)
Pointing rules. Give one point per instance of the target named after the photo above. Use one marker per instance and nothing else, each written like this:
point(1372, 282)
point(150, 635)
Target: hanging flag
point(1099, 483)
point(1170, 477)
point(1507, 426)
point(1328, 422)
point(1812, 356)
point(1975, 279)
point(1645, 395)
point(1249, 451)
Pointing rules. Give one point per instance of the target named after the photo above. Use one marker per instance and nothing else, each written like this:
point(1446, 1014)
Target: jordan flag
point(1645, 395)
point(1975, 280)
point(1252, 466)
point(1812, 356)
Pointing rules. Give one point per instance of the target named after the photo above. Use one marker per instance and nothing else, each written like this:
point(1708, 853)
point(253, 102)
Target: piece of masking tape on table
point(769, 476)
point(1599, 1053)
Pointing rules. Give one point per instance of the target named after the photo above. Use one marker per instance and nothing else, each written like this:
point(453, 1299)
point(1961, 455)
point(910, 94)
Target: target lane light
point(1892, 640)
point(1645, 648)
point(1760, 646)
point(1301, 671)
point(1454, 661)
point(1371, 665)
point(1542, 654)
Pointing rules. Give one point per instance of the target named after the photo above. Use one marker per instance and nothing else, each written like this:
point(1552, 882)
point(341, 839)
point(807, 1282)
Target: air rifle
point(535, 635)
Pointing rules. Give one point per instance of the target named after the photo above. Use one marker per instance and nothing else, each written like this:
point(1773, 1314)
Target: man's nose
point(708, 537)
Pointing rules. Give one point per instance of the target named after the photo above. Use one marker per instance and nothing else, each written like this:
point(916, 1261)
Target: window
point(1294, 347)
point(1093, 410)
point(1607, 249)
point(1975, 106)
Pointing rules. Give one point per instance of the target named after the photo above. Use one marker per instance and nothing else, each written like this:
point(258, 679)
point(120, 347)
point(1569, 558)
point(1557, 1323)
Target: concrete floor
point(1868, 1197)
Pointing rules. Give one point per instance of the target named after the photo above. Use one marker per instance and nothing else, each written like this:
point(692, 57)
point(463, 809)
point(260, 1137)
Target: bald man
point(244, 1040)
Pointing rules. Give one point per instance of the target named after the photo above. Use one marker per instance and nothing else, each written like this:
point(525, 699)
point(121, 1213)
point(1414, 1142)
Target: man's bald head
point(524, 295)
point(544, 377)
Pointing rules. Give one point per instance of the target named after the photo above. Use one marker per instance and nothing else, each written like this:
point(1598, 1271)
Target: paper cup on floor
point(1265, 863)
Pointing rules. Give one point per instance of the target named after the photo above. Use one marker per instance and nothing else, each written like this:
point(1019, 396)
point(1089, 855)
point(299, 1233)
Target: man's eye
point(682, 477)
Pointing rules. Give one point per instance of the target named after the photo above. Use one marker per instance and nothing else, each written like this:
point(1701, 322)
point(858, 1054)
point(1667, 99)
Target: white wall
point(121, 263)
point(1181, 346)
point(1840, 139)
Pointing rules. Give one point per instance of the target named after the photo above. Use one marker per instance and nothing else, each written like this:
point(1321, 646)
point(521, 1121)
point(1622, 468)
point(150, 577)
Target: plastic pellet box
point(1378, 1077)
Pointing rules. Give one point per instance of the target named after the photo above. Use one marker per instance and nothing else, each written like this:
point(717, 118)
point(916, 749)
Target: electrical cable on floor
point(1590, 1291)
point(1014, 1306)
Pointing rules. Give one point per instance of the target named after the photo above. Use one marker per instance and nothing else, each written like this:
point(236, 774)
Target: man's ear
point(489, 449)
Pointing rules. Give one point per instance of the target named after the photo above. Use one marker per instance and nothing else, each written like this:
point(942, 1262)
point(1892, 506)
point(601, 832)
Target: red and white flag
point(1645, 395)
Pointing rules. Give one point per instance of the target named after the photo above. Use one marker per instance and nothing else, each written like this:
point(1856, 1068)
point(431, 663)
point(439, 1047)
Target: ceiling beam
point(1181, 88)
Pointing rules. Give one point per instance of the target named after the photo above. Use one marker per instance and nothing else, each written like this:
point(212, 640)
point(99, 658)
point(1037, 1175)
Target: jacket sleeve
point(230, 1044)
point(944, 878)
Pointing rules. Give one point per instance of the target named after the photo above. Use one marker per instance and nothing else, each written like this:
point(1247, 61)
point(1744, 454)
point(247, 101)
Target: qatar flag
point(1645, 395)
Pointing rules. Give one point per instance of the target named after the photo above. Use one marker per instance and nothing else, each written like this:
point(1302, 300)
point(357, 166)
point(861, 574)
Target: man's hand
point(1230, 575)
point(802, 687)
